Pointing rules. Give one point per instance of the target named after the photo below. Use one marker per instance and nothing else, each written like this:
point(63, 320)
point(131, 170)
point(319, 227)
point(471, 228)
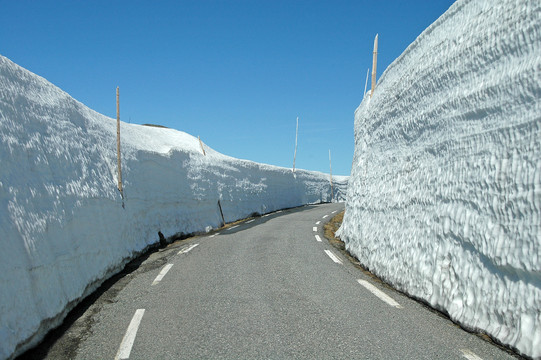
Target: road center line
point(184, 251)
point(380, 294)
point(314, 228)
point(333, 257)
point(232, 227)
point(318, 238)
point(324, 216)
point(162, 273)
point(469, 355)
point(127, 342)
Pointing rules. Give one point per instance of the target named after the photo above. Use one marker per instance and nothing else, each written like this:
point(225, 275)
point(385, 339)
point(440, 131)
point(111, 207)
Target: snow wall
point(444, 196)
point(63, 227)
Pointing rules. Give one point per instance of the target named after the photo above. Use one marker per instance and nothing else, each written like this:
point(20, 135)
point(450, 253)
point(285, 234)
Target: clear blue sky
point(237, 73)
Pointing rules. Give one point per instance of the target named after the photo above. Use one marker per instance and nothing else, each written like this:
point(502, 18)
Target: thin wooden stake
point(366, 82)
point(221, 213)
point(330, 165)
point(296, 135)
point(200, 143)
point(374, 65)
point(118, 143)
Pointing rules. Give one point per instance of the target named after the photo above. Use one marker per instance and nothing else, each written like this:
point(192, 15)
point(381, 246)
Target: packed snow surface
point(444, 198)
point(64, 227)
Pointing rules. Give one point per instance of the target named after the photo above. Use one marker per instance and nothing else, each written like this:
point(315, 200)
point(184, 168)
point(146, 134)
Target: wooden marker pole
point(366, 82)
point(295, 154)
point(201, 144)
point(118, 144)
point(330, 165)
point(221, 213)
point(374, 65)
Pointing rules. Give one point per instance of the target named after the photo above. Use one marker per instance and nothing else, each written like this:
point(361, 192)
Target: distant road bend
point(269, 288)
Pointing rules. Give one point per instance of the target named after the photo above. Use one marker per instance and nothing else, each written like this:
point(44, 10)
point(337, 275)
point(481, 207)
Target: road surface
point(268, 288)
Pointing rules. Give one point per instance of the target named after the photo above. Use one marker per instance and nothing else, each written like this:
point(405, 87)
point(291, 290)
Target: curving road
point(265, 289)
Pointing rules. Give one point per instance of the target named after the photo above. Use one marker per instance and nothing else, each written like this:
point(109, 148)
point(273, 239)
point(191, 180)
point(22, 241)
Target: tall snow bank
point(63, 229)
point(444, 197)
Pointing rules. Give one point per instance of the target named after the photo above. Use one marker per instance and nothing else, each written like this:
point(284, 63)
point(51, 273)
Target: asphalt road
point(265, 289)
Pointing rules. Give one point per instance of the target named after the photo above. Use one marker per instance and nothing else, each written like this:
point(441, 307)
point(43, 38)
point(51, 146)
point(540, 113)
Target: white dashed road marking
point(127, 342)
point(211, 236)
point(314, 228)
point(318, 238)
point(249, 221)
point(333, 257)
point(162, 273)
point(469, 355)
point(317, 223)
point(334, 212)
point(380, 294)
point(232, 227)
point(324, 216)
point(184, 251)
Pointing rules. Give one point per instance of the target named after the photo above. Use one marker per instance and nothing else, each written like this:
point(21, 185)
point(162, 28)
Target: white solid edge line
point(317, 223)
point(470, 355)
point(184, 251)
point(380, 294)
point(333, 257)
point(314, 228)
point(162, 273)
point(318, 238)
point(127, 342)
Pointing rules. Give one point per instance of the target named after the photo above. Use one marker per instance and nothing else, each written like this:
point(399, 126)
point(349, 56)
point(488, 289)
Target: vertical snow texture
point(63, 229)
point(444, 196)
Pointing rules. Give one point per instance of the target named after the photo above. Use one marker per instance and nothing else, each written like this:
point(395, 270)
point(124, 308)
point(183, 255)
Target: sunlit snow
point(64, 227)
point(444, 199)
